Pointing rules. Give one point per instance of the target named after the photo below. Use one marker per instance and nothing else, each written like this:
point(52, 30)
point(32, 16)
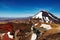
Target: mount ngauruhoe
point(47, 17)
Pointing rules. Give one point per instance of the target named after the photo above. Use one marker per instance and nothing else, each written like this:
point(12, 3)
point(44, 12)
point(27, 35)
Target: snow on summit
point(45, 16)
point(39, 15)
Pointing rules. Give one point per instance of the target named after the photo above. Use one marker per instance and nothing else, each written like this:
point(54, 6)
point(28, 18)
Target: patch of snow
point(10, 36)
point(3, 34)
point(47, 19)
point(46, 26)
point(39, 15)
point(36, 24)
point(34, 36)
point(32, 27)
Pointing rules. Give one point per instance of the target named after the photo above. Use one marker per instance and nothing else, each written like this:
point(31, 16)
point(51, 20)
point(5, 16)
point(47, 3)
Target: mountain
point(47, 17)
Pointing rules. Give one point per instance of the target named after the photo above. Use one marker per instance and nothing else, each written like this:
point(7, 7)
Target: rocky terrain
point(42, 26)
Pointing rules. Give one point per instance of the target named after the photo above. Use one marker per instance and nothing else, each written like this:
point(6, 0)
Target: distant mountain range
point(9, 19)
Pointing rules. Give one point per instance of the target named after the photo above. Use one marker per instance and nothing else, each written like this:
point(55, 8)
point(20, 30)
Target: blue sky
point(25, 8)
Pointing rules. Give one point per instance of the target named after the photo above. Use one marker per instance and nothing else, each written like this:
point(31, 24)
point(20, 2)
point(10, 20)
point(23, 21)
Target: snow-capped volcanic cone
point(46, 17)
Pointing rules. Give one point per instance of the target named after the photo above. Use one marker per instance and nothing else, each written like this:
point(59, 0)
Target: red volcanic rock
point(7, 27)
point(5, 37)
point(0, 38)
